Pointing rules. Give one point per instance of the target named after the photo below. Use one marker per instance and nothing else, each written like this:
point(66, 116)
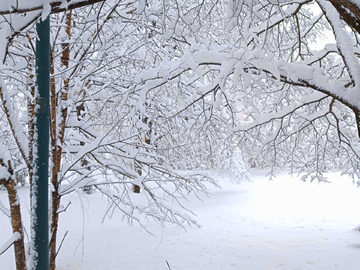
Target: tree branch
point(56, 6)
point(349, 12)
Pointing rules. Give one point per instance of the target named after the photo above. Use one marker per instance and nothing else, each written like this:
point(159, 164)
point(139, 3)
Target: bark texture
point(349, 12)
point(57, 134)
point(15, 214)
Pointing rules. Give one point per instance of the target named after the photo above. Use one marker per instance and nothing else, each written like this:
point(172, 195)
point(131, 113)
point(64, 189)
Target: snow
point(4, 174)
point(259, 225)
point(343, 41)
point(265, 118)
point(4, 154)
point(356, 2)
point(141, 6)
point(16, 236)
point(16, 125)
point(5, 210)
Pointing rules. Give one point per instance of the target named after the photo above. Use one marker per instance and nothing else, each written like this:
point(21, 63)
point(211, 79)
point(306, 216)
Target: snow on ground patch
point(260, 225)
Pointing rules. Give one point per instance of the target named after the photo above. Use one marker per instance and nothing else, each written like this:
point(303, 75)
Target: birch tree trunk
point(15, 214)
point(57, 134)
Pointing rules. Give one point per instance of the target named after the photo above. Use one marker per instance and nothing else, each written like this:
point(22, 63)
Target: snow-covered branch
point(343, 41)
point(51, 6)
point(15, 125)
point(15, 237)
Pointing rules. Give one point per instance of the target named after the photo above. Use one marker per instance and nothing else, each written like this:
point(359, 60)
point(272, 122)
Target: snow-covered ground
point(259, 225)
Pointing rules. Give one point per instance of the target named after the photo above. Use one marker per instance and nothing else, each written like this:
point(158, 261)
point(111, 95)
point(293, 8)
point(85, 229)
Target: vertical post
point(40, 193)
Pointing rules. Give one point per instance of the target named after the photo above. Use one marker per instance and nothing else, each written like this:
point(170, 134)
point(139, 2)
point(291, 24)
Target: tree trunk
point(16, 223)
point(57, 140)
point(55, 200)
point(15, 214)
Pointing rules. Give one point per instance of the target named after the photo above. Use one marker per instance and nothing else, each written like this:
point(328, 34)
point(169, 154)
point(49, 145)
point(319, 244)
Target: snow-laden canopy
point(152, 94)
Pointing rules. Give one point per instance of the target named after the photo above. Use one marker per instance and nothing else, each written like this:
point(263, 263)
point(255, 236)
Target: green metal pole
point(40, 220)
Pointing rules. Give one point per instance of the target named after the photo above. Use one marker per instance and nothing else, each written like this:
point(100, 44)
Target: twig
point(168, 264)
point(62, 241)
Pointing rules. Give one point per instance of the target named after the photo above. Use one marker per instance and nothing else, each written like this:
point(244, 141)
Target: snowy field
point(281, 224)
